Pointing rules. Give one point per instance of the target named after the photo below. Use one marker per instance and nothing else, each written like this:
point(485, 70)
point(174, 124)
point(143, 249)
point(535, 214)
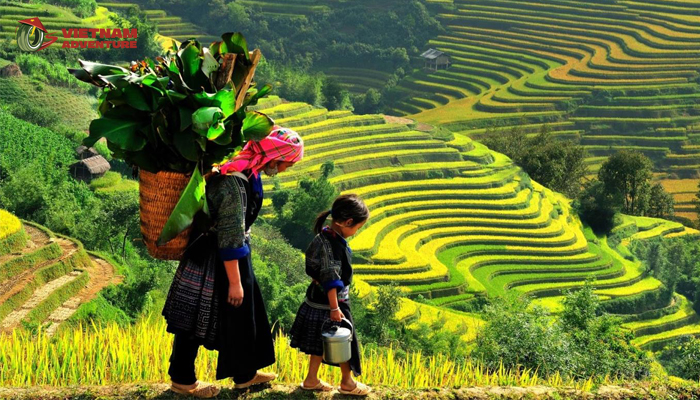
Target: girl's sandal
point(202, 390)
point(360, 390)
point(321, 386)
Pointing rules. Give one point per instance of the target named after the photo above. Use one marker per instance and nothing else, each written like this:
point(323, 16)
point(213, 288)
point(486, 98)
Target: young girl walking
point(328, 263)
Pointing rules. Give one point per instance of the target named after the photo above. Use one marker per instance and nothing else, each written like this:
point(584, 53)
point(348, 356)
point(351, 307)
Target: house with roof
point(436, 59)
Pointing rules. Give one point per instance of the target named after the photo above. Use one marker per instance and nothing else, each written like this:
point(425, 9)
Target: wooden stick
point(223, 76)
point(254, 58)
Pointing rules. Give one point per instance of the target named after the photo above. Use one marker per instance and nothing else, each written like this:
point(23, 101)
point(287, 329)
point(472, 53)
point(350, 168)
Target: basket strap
point(240, 175)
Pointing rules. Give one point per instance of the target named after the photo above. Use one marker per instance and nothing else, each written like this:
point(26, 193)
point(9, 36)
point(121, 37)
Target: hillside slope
point(453, 220)
point(45, 277)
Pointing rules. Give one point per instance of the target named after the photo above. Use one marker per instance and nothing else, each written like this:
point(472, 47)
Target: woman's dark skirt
point(306, 333)
point(196, 305)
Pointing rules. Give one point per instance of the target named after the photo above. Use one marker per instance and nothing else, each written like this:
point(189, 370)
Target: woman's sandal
point(260, 377)
point(202, 390)
point(360, 390)
point(321, 386)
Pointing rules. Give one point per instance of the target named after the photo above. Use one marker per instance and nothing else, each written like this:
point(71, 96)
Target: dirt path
point(14, 318)
point(37, 238)
point(390, 119)
point(640, 390)
point(102, 274)
point(18, 282)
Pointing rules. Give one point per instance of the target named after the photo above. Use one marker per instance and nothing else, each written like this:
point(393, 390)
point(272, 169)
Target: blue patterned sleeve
point(227, 200)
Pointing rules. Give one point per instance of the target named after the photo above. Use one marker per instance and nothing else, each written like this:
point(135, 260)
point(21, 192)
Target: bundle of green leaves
point(183, 114)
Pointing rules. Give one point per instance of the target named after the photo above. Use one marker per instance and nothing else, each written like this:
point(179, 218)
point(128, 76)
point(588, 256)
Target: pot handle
point(352, 328)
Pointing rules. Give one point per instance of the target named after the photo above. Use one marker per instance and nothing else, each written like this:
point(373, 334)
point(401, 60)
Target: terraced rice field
point(75, 111)
point(169, 27)
point(454, 220)
point(54, 19)
point(684, 192)
point(45, 277)
point(532, 62)
point(304, 8)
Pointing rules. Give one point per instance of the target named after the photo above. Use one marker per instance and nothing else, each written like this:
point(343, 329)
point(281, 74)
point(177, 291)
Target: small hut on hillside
point(83, 152)
point(436, 59)
point(9, 70)
point(90, 168)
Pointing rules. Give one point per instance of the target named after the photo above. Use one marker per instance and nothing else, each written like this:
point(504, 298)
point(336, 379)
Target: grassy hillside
point(453, 220)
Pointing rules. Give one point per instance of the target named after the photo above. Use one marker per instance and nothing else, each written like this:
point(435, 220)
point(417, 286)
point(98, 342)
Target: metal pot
point(336, 343)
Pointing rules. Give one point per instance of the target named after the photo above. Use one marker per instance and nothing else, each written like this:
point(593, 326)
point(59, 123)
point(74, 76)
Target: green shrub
point(581, 344)
point(681, 357)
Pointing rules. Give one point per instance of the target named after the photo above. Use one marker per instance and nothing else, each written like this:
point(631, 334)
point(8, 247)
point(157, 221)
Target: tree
point(580, 307)
point(556, 164)
point(682, 357)
point(146, 43)
point(335, 96)
point(121, 222)
point(596, 206)
point(239, 17)
point(626, 175)
point(297, 208)
point(510, 142)
point(369, 102)
point(515, 336)
point(661, 202)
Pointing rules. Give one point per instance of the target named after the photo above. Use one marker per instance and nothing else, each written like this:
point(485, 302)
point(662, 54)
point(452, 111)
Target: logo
point(31, 35)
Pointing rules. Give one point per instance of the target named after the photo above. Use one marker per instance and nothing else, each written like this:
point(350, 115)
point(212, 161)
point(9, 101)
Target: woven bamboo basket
point(158, 195)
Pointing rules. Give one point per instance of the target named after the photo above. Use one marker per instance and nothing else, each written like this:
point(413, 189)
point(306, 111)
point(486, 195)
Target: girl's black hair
point(344, 207)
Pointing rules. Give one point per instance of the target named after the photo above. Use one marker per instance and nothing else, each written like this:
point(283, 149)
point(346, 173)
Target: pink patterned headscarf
point(282, 144)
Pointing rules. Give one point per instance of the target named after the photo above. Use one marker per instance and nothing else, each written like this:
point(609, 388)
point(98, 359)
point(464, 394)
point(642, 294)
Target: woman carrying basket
point(214, 299)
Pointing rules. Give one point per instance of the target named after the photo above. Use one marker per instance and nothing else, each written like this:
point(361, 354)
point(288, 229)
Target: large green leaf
point(253, 98)
point(216, 48)
point(236, 43)
point(123, 133)
point(116, 80)
point(160, 125)
point(209, 63)
point(216, 130)
point(205, 117)
point(185, 117)
point(256, 125)
point(186, 145)
point(92, 138)
point(143, 159)
point(193, 199)
point(136, 98)
point(191, 65)
point(84, 76)
point(224, 99)
point(95, 69)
